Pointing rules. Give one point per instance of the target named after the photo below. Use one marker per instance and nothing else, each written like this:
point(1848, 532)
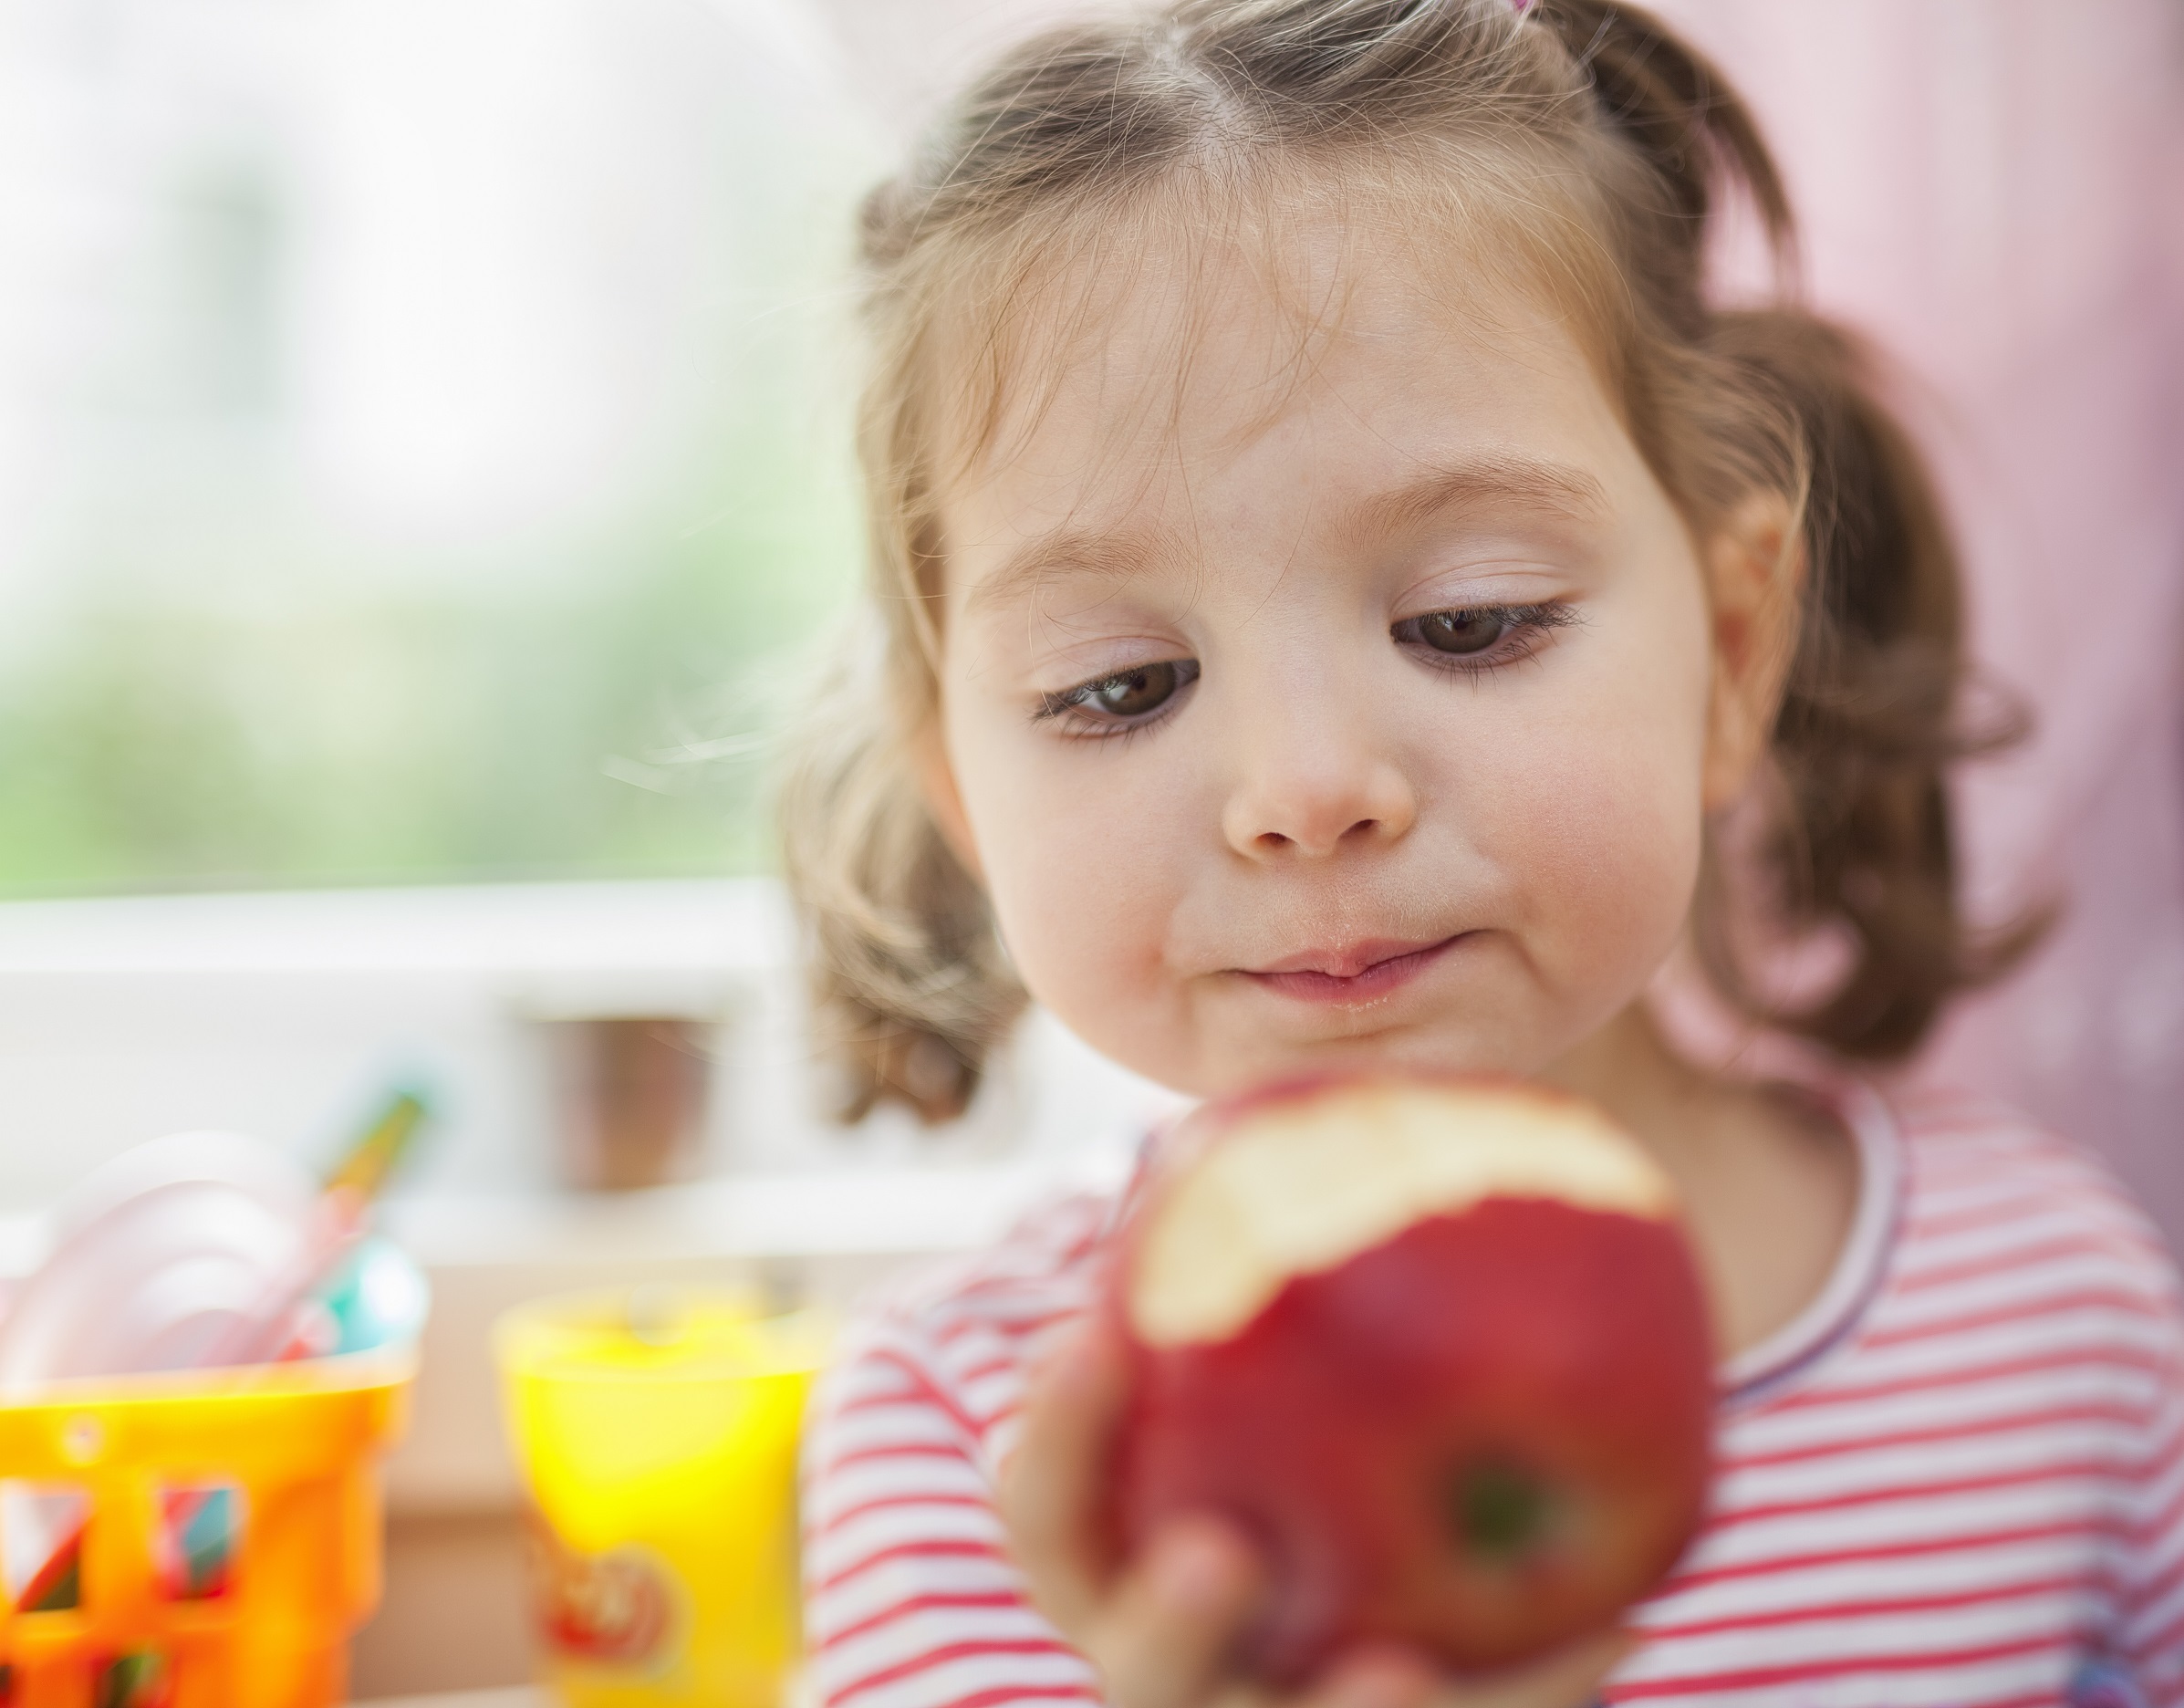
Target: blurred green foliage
point(512, 726)
point(234, 650)
point(217, 677)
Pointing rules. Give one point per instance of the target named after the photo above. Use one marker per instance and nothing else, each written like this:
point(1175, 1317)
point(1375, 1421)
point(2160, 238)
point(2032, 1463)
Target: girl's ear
point(943, 800)
point(1755, 567)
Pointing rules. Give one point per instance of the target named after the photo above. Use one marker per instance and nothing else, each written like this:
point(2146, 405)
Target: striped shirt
point(1957, 1479)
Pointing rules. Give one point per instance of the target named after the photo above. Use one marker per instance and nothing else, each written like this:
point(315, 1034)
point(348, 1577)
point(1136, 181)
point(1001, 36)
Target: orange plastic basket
point(201, 1540)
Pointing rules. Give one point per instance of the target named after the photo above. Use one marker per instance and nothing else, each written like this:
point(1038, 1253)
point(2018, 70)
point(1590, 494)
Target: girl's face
point(1326, 677)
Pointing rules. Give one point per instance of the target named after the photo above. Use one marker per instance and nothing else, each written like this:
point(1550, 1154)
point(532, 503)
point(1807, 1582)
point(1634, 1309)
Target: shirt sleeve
point(2152, 1634)
point(911, 1598)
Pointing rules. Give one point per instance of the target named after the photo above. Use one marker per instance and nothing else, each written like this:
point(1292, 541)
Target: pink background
point(1995, 190)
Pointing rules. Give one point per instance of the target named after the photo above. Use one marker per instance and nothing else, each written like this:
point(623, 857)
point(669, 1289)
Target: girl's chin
point(1445, 1037)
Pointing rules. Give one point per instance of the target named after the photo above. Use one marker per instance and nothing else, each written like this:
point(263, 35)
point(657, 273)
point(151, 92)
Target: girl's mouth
point(1353, 973)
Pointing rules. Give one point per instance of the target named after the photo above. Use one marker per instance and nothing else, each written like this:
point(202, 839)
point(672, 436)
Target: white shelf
point(288, 1016)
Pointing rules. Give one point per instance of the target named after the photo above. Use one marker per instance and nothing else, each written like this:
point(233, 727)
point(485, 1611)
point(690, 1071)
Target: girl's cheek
point(1615, 864)
point(1602, 826)
point(1079, 851)
point(1086, 923)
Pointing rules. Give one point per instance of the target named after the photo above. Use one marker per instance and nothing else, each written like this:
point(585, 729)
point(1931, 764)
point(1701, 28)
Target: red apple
point(1437, 1345)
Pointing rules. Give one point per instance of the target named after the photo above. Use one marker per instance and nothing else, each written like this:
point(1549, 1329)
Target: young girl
point(1349, 598)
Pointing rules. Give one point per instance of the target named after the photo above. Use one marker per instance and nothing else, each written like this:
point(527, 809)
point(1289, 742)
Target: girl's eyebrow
point(1065, 555)
point(1496, 477)
point(1492, 478)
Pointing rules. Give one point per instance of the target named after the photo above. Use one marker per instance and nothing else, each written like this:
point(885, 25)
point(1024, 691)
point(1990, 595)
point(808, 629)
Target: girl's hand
point(1159, 1628)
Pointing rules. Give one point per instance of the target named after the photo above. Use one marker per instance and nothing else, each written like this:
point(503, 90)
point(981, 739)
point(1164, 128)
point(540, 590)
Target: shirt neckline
point(1762, 1371)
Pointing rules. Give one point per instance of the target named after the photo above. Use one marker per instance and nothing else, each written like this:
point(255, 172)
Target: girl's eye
point(1126, 699)
point(1483, 637)
point(1464, 632)
point(1134, 692)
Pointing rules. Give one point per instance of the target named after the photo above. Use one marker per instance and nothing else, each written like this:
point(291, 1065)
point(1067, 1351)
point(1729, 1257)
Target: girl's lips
point(1357, 973)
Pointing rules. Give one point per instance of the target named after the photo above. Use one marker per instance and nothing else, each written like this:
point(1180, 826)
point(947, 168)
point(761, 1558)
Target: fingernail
point(1385, 1680)
point(1198, 1570)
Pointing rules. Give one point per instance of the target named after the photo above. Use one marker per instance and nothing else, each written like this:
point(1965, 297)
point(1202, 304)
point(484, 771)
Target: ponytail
point(910, 990)
point(1667, 103)
point(1859, 844)
point(1872, 716)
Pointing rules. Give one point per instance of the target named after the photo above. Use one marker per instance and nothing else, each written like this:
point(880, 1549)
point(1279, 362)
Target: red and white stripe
point(1958, 1479)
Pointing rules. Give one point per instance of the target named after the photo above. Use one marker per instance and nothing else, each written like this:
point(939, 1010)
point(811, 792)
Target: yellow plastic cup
point(657, 1429)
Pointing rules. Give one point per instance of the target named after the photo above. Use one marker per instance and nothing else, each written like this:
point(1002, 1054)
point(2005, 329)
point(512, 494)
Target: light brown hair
point(1589, 150)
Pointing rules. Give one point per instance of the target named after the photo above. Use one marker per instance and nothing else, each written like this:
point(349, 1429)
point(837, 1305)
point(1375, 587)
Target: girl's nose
point(1313, 787)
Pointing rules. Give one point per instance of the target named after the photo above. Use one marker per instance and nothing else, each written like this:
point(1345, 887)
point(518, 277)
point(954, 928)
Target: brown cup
point(631, 1096)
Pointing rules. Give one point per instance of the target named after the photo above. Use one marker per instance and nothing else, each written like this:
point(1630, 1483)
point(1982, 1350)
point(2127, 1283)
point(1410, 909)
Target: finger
point(1050, 1483)
point(1380, 1676)
point(1569, 1677)
point(1163, 1639)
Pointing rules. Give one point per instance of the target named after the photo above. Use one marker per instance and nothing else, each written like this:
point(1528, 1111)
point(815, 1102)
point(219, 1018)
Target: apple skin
point(1484, 1436)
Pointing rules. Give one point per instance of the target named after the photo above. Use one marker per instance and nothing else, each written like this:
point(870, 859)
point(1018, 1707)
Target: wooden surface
point(454, 1621)
point(467, 1698)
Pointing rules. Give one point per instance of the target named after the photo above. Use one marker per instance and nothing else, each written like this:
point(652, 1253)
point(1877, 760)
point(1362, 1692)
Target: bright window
point(421, 433)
